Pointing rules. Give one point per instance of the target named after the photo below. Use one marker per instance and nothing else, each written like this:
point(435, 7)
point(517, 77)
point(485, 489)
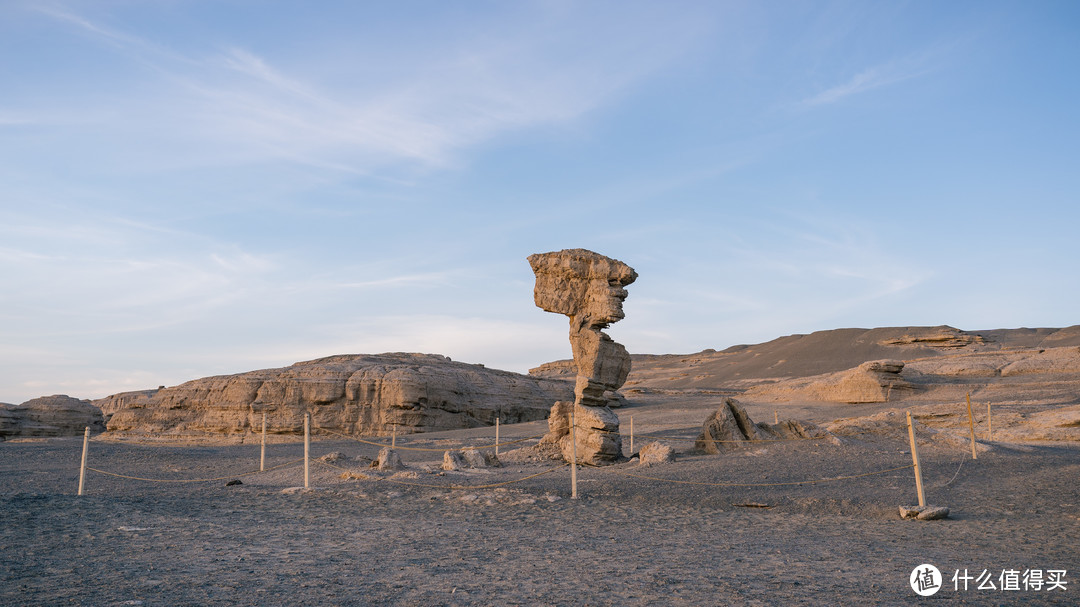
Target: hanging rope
point(195, 480)
point(809, 482)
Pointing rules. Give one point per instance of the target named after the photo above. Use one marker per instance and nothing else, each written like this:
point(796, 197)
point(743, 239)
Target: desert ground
point(731, 528)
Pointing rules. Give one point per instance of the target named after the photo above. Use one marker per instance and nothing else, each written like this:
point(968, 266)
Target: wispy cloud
point(872, 78)
point(237, 101)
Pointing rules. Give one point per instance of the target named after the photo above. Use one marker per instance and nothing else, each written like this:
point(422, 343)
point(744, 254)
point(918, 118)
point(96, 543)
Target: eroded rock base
point(598, 441)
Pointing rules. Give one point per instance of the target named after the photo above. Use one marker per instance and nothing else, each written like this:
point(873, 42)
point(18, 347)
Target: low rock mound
point(57, 415)
point(469, 458)
point(730, 427)
point(726, 427)
point(875, 381)
point(656, 453)
point(353, 394)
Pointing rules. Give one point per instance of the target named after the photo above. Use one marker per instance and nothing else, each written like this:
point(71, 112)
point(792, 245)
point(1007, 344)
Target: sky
point(194, 188)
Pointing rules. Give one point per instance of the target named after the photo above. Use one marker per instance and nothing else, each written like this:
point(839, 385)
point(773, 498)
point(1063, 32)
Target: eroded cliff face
point(57, 415)
point(351, 394)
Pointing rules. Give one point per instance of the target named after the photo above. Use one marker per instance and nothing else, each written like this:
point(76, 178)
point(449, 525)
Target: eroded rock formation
point(57, 415)
point(875, 381)
point(656, 453)
point(351, 394)
point(726, 427)
point(590, 289)
point(730, 427)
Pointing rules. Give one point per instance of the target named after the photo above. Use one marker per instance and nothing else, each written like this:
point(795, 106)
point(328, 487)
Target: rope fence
point(784, 484)
point(455, 487)
point(196, 480)
point(614, 470)
point(427, 449)
point(716, 440)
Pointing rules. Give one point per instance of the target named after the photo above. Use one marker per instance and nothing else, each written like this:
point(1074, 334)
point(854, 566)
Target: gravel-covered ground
point(628, 540)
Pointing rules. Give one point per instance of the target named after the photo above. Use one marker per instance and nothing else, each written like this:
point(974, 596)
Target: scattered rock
point(234, 482)
point(924, 513)
point(590, 289)
point(656, 453)
point(357, 476)
point(726, 427)
point(480, 459)
point(332, 457)
point(793, 428)
point(388, 460)
point(469, 458)
point(453, 460)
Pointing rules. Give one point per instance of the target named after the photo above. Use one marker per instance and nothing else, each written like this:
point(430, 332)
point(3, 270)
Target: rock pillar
point(590, 289)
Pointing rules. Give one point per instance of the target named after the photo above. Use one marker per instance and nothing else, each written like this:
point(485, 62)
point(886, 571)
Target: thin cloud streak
point(438, 107)
point(872, 78)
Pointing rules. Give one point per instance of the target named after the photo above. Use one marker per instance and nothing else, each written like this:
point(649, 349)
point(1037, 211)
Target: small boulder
point(656, 453)
point(388, 460)
point(480, 459)
point(453, 460)
point(924, 513)
point(469, 458)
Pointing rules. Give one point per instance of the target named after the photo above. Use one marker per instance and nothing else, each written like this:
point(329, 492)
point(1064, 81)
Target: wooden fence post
point(989, 424)
point(262, 451)
point(915, 459)
point(631, 435)
point(82, 467)
point(971, 426)
point(307, 450)
point(496, 438)
point(573, 453)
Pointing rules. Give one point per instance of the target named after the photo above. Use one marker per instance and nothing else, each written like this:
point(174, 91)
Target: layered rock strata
point(589, 288)
point(350, 394)
point(57, 415)
point(730, 427)
point(875, 381)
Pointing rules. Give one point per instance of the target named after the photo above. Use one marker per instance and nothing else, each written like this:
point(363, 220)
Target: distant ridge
point(816, 353)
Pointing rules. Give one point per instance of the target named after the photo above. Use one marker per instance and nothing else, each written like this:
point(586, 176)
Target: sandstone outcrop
point(726, 427)
point(801, 356)
point(875, 381)
point(590, 289)
point(469, 458)
point(351, 394)
point(871, 382)
point(730, 426)
point(388, 460)
point(656, 453)
point(57, 415)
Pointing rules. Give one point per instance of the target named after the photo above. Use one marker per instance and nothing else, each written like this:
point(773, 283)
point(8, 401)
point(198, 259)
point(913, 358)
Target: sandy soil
point(628, 540)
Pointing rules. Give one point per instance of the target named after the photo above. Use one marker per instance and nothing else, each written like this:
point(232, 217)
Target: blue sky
point(195, 188)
